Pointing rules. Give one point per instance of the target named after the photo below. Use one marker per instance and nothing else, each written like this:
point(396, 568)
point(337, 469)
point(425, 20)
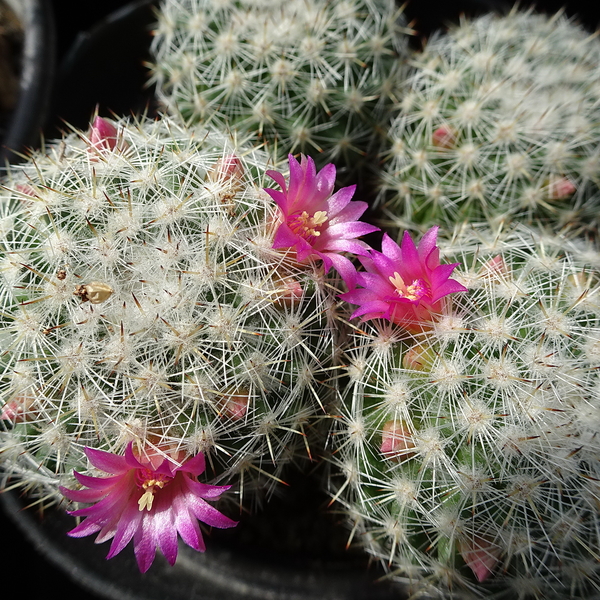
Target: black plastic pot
point(293, 550)
point(102, 68)
point(35, 67)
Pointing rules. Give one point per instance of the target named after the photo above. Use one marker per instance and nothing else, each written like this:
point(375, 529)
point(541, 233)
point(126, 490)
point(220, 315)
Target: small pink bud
point(227, 168)
point(19, 410)
point(235, 404)
point(495, 267)
point(418, 358)
point(444, 137)
point(480, 555)
point(396, 441)
point(103, 135)
point(288, 290)
point(560, 188)
point(25, 189)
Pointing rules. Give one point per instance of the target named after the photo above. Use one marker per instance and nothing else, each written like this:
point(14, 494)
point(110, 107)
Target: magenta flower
point(149, 500)
point(404, 284)
point(315, 222)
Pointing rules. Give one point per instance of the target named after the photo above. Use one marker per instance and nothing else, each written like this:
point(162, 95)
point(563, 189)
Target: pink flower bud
point(235, 404)
point(103, 134)
point(104, 138)
point(418, 358)
point(396, 441)
point(25, 189)
point(560, 188)
point(480, 555)
point(495, 267)
point(227, 168)
point(444, 137)
point(19, 410)
point(288, 291)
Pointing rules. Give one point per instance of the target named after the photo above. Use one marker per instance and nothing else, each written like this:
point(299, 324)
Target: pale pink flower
point(149, 500)
point(315, 222)
point(404, 284)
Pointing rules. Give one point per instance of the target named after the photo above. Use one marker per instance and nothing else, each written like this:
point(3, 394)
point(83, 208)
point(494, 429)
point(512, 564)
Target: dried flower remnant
point(404, 284)
point(149, 500)
point(95, 292)
point(315, 222)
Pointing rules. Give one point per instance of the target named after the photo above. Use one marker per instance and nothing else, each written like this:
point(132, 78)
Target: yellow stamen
point(146, 500)
point(306, 225)
point(147, 497)
point(414, 291)
point(397, 281)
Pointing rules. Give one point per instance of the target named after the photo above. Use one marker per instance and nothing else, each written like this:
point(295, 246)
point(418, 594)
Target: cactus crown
point(498, 117)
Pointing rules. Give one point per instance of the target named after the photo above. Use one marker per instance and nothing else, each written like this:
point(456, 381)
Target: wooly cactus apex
point(141, 301)
point(500, 116)
point(467, 454)
point(312, 76)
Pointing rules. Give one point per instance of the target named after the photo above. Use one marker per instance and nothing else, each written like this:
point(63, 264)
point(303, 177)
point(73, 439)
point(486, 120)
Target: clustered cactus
point(469, 451)
point(167, 312)
point(312, 76)
point(142, 301)
point(500, 116)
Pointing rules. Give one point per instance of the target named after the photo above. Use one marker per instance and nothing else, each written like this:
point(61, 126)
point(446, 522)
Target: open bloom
point(404, 284)
point(149, 500)
point(314, 221)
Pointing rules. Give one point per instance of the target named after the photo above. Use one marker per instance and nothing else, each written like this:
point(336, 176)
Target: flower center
point(150, 482)
point(415, 291)
point(305, 226)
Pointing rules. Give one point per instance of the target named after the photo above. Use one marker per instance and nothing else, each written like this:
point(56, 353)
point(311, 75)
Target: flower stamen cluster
point(413, 292)
point(306, 226)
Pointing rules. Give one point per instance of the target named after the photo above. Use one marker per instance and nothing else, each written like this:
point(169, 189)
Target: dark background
point(99, 62)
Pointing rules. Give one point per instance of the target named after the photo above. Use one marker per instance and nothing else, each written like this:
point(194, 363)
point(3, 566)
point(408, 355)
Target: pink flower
point(315, 222)
point(149, 500)
point(404, 284)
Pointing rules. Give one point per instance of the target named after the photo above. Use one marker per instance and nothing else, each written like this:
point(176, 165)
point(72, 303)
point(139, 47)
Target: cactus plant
point(142, 301)
point(466, 451)
point(498, 117)
point(312, 76)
